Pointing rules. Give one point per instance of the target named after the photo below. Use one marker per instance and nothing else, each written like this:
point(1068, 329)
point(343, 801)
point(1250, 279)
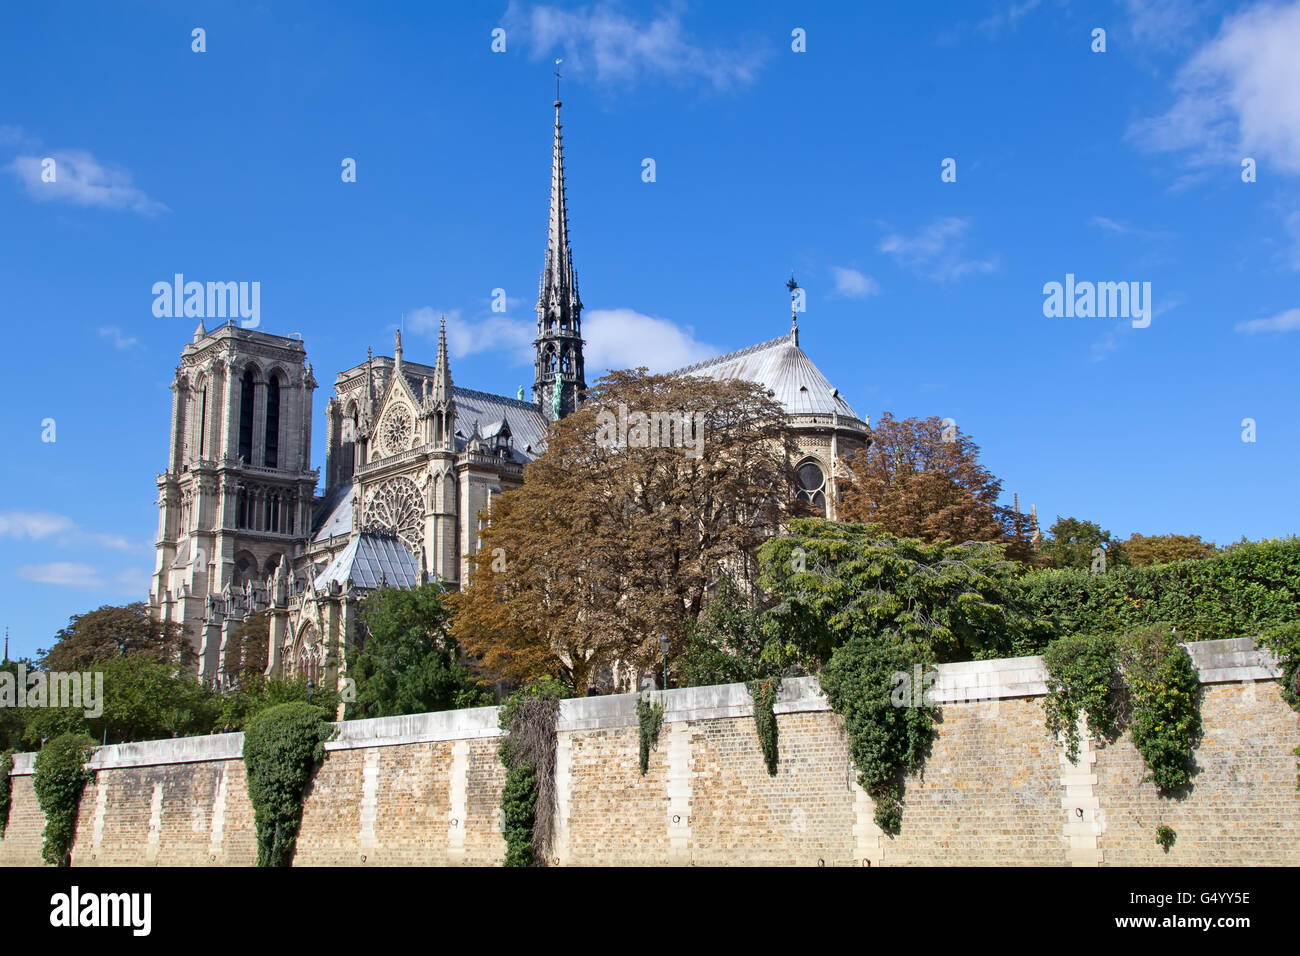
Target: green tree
point(112, 632)
point(257, 692)
point(142, 699)
point(1144, 549)
point(407, 662)
point(12, 718)
point(726, 645)
point(1072, 543)
point(835, 581)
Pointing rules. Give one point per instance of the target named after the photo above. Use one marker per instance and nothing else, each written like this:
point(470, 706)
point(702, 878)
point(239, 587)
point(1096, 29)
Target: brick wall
point(996, 789)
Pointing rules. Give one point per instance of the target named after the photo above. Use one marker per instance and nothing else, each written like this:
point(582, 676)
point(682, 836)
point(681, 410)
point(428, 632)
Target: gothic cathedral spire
point(559, 374)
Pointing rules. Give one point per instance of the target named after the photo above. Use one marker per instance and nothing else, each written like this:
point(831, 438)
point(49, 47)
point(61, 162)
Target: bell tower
point(559, 375)
point(234, 505)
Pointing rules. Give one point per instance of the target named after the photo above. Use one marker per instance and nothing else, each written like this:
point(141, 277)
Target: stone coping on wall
point(1233, 660)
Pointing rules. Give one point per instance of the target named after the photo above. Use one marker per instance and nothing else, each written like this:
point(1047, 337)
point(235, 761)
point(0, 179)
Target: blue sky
point(924, 297)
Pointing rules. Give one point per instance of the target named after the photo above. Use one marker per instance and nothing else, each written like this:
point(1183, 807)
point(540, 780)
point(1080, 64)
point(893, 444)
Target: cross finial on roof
point(794, 312)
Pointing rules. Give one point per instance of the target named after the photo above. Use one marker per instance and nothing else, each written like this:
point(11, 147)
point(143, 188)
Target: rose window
point(395, 507)
point(398, 429)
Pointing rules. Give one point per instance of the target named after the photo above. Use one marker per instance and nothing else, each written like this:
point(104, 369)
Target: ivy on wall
point(6, 788)
point(650, 719)
point(60, 777)
point(1082, 675)
point(1143, 682)
point(282, 747)
point(1284, 642)
point(889, 734)
point(764, 694)
point(527, 751)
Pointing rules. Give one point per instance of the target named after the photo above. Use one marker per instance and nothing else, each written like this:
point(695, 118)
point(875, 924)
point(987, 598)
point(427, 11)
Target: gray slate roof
point(527, 426)
point(783, 367)
point(333, 514)
point(369, 559)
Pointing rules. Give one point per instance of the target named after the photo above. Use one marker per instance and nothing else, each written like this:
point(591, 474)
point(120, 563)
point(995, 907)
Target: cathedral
point(412, 465)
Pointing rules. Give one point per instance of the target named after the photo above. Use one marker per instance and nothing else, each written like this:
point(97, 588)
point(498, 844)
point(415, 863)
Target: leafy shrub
point(1165, 837)
point(886, 741)
point(282, 746)
point(60, 777)
point(1248, 589)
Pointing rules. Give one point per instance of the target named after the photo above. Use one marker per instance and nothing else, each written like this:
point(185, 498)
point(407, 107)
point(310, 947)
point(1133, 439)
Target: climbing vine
point(650, 718)
point(1163, 693)
point(527, 752)
point(1082, 675)
point(282, 746)
point(764, 694)
point(60, 777)
point(6, 788)
point(889, 731)
point(1284, 642)
point(1144, 682)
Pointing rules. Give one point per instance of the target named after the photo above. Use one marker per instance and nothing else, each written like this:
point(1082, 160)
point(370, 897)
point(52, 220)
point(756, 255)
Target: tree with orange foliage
point(642, 496)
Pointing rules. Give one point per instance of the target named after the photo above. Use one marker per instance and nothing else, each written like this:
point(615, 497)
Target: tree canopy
point(922, 478)
point(833, 581)
point(1072, 543)
point(111, 632)
point(610, 544)
point(407, 662)
point(1144, 549)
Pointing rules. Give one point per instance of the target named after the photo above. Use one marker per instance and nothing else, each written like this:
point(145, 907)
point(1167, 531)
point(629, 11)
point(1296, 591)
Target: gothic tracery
point(395, 506)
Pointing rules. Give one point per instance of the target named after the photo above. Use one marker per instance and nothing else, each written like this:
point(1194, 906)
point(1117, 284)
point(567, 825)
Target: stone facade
point(996, 788)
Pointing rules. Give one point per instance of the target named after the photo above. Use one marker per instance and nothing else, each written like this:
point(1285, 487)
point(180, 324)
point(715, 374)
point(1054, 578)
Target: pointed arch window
point(271, 452)
point(203, 420)
point(246, 393)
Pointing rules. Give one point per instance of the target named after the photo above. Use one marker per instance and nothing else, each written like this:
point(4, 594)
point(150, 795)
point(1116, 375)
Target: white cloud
point(1288, 321)
point(39, 525)
point(120, 341)
point(81, 179)
point(624, 338)
point(614, 48)
point(1008, 17)
point(938, 251)
point(1124, 229)
point(852, 284)
point(495, 333)
point(33, 524)
point(63, 574)
point(1163, 23)
point(1237, 96)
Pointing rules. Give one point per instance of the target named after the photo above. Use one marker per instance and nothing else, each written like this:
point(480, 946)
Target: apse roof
point(783, 367)
point(369, 559)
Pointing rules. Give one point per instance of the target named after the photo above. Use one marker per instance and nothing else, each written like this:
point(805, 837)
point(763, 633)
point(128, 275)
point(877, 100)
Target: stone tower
point(560, 376)
point(235, 504)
